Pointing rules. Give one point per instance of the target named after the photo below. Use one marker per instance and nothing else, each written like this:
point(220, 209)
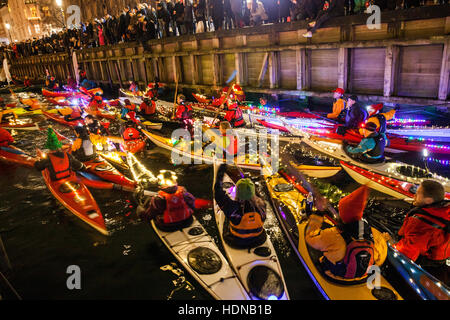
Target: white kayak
point(258, 268)
point(397, 170)
point(197, 252)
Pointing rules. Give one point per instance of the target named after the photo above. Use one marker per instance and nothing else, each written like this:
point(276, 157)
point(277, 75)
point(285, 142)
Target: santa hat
point(351, 207)
point(377, 107)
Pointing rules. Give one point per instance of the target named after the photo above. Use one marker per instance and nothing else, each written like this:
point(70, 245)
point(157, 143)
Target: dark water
point(42, 239)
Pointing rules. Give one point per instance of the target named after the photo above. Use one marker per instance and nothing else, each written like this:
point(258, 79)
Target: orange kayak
point(14, 155)
point(134, 146)
point(104, 170)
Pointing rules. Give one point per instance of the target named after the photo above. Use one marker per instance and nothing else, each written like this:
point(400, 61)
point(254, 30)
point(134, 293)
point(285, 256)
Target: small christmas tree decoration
point(52, 142)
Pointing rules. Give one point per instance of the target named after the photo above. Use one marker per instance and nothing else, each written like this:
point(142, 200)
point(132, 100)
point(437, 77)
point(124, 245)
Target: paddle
point(231, 78)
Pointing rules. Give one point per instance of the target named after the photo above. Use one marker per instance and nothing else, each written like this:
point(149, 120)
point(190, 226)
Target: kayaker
point(245, 216)
point(59, 163)
point(82, 148)
point(134, 89)
point(152, 89)
point(380, 119)
point(184, 113)
point(425, 236)
point(355, 116)
point(51, 83)
point(5, 138)
point(228, 144)
point(338, 113)
point(371, 148)
point(129, 111)
point(82, 74)
point(172, 208)
point(234, 115)
point(148, 108)
point(94, 126)
point(96, 104)
point(350, 247)
point(27, 82)
point(71, 83)
point(73, 113)
point(130, 131)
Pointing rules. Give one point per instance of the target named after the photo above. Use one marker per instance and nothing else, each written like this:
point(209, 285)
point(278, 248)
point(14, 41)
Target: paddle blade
point(203, 204)
point(233, 75)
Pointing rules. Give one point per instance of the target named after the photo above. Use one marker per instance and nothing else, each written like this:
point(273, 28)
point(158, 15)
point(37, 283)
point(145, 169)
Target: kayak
point(34, 88)
point(148, 124)
point(186, 152)
point(105, 171)
point(102, 114)
point(60, 119)
point(396, 170)
point(393, 187)
point(197, 252)
point(134, 146)
point(76, 197)
point(65, 94)
point(14, 155)
point(287, 199)
point(258, 268)
point(425, 285)
point(317, 171)
point(395, 141)
point(20, 125)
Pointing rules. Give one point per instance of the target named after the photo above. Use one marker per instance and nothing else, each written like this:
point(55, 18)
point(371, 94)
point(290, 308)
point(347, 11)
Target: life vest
point(184, 112)
point(341, 115)
point(230, 145)
point(437, 218)
point(383, 122)
point(236, 118)
point(250, 226)
point(76, 113)
point(359, 253)
point(380, 144)
point(326, 6)
point(131, 134)
point(148, 109)
point(176, 208)
point(61, 166)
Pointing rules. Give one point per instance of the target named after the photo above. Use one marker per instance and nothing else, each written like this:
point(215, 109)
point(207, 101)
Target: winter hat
point(351, 207)
point(377, 107)
point(245, 189)
point(339, 90)
point(52, 143)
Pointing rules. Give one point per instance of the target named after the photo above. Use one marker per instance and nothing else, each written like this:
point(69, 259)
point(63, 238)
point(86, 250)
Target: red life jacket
point(5, 138)
point(235, 117)
point(131, 134)
point(433, 224)
point(184, 112)
point(176, 208)
point(61, 166)
point(76, 113)
point(232, 146)
point(148, 109)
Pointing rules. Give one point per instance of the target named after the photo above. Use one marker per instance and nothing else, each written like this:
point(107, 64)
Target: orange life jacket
point(176, 208)
point(251, 226)
point(61, 166)
point(131, 134)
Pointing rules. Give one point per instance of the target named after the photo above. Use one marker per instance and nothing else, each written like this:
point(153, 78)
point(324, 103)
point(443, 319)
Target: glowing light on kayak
point(272, 297)
point(425, 152)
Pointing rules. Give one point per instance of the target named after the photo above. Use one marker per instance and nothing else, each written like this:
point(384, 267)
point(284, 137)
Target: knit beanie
point(351, 207)
point(245, 189)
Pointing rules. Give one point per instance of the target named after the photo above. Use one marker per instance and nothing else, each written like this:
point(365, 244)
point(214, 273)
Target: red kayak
point(18, 125)
point(76, 197)
point(104, 170)
point(60, 119)
point(396, 142)
point(14, 155)
point(298, 114)
point(65, 94)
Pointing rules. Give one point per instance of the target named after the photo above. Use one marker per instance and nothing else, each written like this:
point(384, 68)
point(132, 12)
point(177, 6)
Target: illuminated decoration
point(140, 173)
point(167, 182)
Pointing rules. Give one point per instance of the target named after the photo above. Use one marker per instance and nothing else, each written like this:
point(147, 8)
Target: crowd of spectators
point(179, 17)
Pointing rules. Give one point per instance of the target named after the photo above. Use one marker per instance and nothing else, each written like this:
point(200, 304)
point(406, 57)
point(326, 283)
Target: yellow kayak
point(287, 200)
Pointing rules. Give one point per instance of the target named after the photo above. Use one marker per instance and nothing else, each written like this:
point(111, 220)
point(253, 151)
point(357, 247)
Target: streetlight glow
point(59, 3)
point(8, 26)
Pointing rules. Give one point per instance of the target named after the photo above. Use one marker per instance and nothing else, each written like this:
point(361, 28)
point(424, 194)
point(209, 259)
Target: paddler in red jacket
point(129, 111)
point(184, 113)
point(172, 208)
point(5, 138)
point(352, 246)
point(148, 108)
point(234, 115)
point(96, 104)
point(227, 144)
point(424, 234)
point(27, 82)
point(59, 163)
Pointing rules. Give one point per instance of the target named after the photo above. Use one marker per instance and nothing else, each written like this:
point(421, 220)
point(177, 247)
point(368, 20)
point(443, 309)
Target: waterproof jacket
point(425, 232)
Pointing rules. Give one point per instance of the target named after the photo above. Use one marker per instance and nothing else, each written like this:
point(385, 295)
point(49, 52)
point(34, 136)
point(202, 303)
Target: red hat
point(377, 107)
point(339, 90)
point(351, 207)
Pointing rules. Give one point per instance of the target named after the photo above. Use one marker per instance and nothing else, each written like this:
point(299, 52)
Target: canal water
point(42, 239)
